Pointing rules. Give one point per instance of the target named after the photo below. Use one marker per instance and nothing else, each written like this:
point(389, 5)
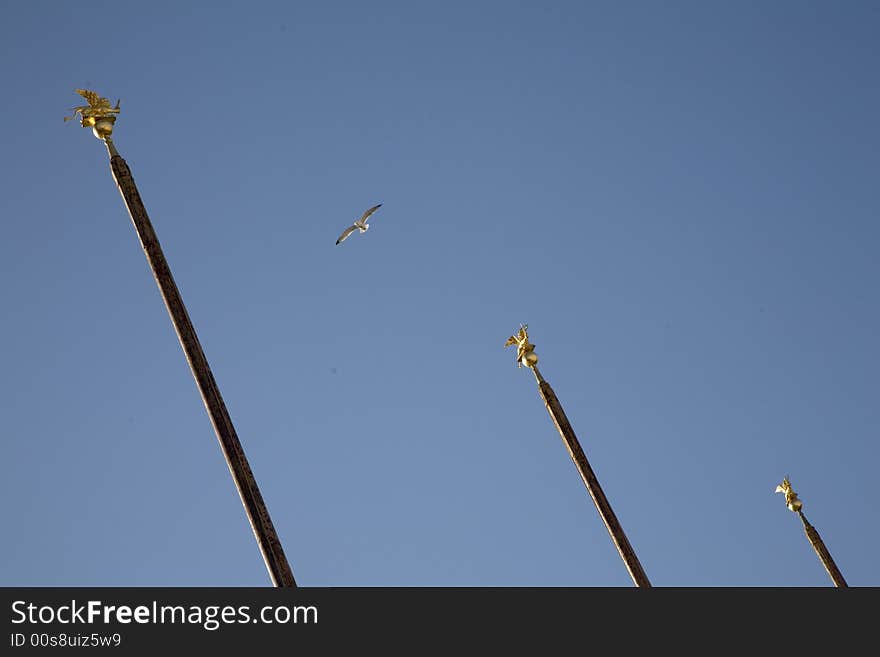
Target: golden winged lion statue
point(98, 108)
point(525, 350)
point(791, 498)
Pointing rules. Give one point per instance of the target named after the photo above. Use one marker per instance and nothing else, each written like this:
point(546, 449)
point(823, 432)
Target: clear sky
point(680, 199)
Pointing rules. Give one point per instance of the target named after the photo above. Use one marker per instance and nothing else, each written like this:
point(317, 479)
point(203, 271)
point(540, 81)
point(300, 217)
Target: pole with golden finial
point(525, 355)
point(795, 505)
point(101, 117)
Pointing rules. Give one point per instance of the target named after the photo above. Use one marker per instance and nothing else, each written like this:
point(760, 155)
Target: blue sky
point(680, 199)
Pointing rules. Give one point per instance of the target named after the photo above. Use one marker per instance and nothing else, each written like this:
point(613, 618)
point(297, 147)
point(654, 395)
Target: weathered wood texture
point(824, 555)
point(258, 515)
point(580, 460)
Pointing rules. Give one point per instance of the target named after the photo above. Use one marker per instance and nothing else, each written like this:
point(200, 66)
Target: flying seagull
point(361, 224)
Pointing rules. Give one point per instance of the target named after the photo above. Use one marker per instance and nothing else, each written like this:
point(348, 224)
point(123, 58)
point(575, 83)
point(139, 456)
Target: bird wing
point(366, 214)
point(94, 99)
point(348, 231)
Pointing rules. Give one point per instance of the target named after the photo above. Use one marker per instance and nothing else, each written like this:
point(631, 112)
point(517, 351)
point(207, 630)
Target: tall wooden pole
point(796, 505)
point(526, 356)
point(97, 116)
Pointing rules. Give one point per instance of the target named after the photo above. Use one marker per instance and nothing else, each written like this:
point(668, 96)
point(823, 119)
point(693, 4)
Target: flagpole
point(797, 506)
point(526, 356)
point(101, 118)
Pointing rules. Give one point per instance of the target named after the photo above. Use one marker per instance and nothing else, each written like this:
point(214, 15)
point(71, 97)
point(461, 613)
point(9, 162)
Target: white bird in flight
point(361, 224)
